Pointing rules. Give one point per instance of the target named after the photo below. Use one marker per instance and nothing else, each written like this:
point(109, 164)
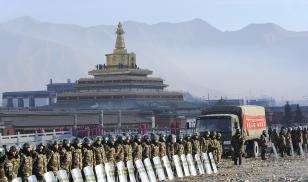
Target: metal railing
point(34, 137)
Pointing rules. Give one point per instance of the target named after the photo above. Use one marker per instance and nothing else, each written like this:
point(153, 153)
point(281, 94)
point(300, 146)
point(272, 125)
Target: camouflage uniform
point(39, 164)
point(146, 149)
point(87, 153)
point(282, 143)
point(155, 149)
point(12, 164)
point(3, 177)
point(26, 163)
point(196, 148)
point(77, 155)
point(110, 153)
point(162, 148)
point(219, 146)
point(179, 147)
point(137, 151)
point(263, 144)
point(214, 146)
point(289, 144)
point(128, 152)
point(66, 157)
point(188, 146)
point(205, 143)
point(237, 143)
point(99, 153)
point(119, 155)
point(53, 160)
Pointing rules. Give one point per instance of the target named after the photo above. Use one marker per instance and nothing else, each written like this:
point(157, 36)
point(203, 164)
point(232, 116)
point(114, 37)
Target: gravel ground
point(283, 169)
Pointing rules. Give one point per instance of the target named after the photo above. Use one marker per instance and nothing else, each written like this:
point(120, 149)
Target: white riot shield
point(50, 177)
point(305, 148)
point(199, 164)
point(32, 178)
point(275, 151)
point(168, 167)
point(178, 167)
point(214, 167)
point(292, 150)
point(109, 167)
point(185, 165)
point(89, 174)
point(301, 150)
point(149, 168)
point(207, 164)
point(100, 173)
point(122, 174)
point(131, 171)
point(141, 170)
point(159, 169)
point(191, 165)
point(62, 176)
point(76, 174)
point(17, 180)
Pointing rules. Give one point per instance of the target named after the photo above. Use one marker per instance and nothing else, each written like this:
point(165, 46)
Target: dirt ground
point(283, 169)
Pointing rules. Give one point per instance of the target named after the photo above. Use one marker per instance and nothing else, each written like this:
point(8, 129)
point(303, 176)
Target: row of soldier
point(80, 153)
point(290, 140)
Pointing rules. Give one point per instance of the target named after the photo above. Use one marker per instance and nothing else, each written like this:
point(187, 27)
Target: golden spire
point(120, 44)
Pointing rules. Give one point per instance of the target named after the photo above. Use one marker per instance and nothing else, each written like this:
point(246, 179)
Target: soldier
point(298, 139)
point(219, 146)
point(146, 147)
point(179, 146)
point(155, 146)
point(66, 155)
point(26, 162)
point(171, 150)
point(289, 143)
point(110, 150)
point(263, 144)
point(305, 139)
point(137, 148)
point(87, 153)
point(162, 145)
point(53, 157)
point(99, 151)
point(196, 148)
point(188, 145)
point(213, 147)
point(205, 141)
point(282, 142)
point(128, 150)
point(77, 154)
point(12, 163)
point(40, 162)
point(3, 177)
point(119, 155)
point(237, 142)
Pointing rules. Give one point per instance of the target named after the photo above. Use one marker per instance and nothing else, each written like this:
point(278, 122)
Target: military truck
point(249, 119)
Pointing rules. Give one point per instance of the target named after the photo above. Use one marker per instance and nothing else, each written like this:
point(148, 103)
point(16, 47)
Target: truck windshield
point(220, 124)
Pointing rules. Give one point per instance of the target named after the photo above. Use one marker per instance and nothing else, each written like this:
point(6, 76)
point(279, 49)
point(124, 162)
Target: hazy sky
point(223, 14)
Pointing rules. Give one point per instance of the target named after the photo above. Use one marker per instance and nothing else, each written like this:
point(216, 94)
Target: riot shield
point(100, 173)
point(76, 174)
point(185, 165)
point(199, 164)
point(32, 178)
point(50, 177)
point(301, 150)
point(149, 168)
point(89, 174)
point(122, 174)
point(62, 176)
point(131, 171)
point(178, 167)
point(168, 167)
point(214, 167)
point(141, 170)
point(191, 165)
point(159, 169)
point(17, 180)
point(275, 151)
point(207, 164)
point(109, 167)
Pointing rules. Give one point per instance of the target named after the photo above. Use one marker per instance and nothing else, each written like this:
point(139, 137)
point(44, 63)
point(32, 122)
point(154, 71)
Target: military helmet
point(2, 153)
point(77, 141)
point(98, 138)
point(173, 138)
point(218, 135)
point(26, 146)
point(13, 148)
point(67, 142)
point(87, 140)
point(213, 133)
point(120, 138)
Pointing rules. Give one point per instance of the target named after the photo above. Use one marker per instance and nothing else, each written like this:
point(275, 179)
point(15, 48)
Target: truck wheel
point(255, 152)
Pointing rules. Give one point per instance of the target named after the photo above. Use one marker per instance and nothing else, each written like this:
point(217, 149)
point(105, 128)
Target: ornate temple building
point(120, 80)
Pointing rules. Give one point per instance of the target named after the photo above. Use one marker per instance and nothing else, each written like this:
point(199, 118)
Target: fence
point(34, 137)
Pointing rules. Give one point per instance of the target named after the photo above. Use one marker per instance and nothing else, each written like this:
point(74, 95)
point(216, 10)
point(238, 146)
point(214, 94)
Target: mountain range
point(259, 60)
